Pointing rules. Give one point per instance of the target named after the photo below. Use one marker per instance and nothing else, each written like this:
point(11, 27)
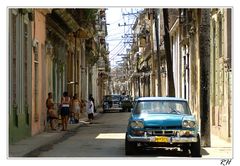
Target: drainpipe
point(152, 58)
point(158, 51)
point(139, 88)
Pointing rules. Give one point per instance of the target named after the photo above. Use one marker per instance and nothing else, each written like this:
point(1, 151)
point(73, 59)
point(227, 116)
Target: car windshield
point(112, 98)
point(126, 98)
point(162, 107)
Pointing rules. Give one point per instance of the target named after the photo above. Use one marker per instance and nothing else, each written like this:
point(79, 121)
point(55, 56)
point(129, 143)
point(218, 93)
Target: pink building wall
point(39, 98)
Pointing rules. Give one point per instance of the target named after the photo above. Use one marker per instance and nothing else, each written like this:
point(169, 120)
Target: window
point(14, 58)
point(13, 67)
point(36, 81)
point(25, 71)
point(20, 53)
point(162, 107)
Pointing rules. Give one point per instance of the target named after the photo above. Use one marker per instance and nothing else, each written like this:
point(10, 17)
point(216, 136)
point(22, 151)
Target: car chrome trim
point(113, 109)
point(170, 139)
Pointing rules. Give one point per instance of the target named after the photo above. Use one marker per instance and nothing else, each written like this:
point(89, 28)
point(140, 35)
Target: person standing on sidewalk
point(90, 110)
point(91, 98)
point(76, 108)
point(82, 105)
point(65, 105)
point(51, 116)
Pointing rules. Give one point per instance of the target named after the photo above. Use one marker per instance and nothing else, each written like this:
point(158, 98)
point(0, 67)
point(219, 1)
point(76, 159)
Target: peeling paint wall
point(221, 94)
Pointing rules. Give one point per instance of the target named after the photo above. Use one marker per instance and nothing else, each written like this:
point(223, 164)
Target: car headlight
point(188, 123)
point(137, 124)
point(191, 124)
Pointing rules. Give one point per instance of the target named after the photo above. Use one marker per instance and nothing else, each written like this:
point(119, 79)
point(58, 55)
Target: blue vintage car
point(162, 122)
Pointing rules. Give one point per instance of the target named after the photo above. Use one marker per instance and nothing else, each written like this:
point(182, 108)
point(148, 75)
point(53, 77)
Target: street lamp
point(49, 49)
point(163, 71)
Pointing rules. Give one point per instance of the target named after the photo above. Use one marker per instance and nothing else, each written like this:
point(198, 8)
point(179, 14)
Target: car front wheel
point(196, 148)
point(130, 147)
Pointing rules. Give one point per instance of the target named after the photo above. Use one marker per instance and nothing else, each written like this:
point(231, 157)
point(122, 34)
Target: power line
point(126, 39)
point(117, 52)
point(116, 45)
point(115, 21)
point(115, 34)
point(119, 41)
point(114, 39)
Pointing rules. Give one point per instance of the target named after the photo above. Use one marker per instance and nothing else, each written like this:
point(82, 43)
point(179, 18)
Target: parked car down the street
point(162, 122)
point(112, 103)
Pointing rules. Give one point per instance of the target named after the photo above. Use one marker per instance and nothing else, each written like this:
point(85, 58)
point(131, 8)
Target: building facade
point(201, 56)
point(221, 73)
point(200, 49)
point(190, 36)
point(49, 51)
point(20, 77)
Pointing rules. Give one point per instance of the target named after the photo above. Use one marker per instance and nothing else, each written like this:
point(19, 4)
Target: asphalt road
point(104, 138)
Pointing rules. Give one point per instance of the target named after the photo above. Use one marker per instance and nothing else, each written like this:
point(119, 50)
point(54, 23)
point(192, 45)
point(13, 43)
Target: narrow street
point(106, 138)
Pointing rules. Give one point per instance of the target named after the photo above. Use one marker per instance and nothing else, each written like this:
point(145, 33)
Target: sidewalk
point(25, 146)
point(219, 149)
point(218, 142)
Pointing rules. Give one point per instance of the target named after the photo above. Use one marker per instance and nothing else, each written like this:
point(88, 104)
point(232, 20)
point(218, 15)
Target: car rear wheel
point(196, 148)
point(130, 147)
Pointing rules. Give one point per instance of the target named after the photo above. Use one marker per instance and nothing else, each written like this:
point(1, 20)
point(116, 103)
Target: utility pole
point(171, 89)
point(158, 51)
point(128, 39)
point(204, 40)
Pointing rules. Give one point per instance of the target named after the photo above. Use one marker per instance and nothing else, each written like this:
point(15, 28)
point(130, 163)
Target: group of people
point(69, 108)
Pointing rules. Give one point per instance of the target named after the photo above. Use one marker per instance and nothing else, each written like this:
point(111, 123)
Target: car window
point(112, 98)
point(116, 97)
point(167, 107)
point(126, 98)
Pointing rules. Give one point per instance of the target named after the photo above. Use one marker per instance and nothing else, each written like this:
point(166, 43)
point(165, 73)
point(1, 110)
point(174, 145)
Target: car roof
point(159, 98)
point(113, 95)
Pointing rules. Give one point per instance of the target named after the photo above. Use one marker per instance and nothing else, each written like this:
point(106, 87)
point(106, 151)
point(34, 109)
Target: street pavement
point(219, 148)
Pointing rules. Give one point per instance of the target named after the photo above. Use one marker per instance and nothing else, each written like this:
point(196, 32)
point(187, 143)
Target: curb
point(45, 147)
